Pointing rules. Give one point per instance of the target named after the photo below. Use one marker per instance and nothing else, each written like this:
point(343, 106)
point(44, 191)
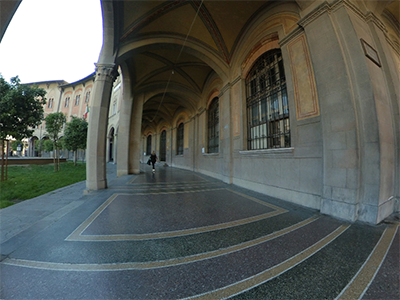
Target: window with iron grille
point(213, 126)
point(77, 99)
point(179, 140)
point(267, 103)
point(148, 145)
point(50, 103)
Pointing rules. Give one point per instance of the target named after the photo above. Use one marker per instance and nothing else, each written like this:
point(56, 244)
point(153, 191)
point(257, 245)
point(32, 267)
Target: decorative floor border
point(77, 235)
point(156, 264)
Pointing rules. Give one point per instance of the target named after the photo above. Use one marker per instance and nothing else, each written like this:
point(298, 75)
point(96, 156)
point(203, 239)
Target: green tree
point(75, 135)
point(54, 125)
point(21, 109)
point(15, 143)
point(48, 145)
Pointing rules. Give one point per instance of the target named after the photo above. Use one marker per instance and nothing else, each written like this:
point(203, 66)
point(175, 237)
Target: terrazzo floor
point(177, 234)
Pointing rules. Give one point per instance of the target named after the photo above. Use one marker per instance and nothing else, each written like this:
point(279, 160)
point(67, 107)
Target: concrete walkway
point(177, 234)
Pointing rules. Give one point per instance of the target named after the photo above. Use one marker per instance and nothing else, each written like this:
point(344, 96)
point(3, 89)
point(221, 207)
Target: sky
point(52, 40)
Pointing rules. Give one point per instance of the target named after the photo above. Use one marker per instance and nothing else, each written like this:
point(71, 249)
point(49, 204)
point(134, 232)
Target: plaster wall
point(370, 36)
point(338, 119)
point(210, 164)
point(393, 66)
point(343, 121)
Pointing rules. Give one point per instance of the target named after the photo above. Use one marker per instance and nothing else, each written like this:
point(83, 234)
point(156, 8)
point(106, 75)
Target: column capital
point(106, 72)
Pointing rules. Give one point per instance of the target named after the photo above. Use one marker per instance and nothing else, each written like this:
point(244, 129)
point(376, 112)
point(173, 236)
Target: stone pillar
point(192, 142)
point(171, 146)
point(115, 147)
point(226, 137)
point(125, 117)
point(135, 134)
point(97, 131)
point(358, 148)
point(108, 148)
point(196, 149)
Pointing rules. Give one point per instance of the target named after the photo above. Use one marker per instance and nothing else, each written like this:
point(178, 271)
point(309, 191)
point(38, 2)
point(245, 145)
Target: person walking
point(153, 159)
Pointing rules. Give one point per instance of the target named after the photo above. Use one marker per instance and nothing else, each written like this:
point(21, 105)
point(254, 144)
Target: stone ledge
point(274, 151)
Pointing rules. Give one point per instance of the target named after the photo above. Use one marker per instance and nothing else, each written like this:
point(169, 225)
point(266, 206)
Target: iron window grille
point(213, 126)
point(179, 140)
point(267, 103)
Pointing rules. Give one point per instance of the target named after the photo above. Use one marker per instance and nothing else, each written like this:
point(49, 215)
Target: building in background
point(73, 100)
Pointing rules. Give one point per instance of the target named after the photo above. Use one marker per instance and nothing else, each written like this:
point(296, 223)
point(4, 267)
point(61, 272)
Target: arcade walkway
point(178, 234)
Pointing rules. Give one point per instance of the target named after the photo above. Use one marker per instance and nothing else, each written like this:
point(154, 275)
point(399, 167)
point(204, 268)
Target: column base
point(96, 185)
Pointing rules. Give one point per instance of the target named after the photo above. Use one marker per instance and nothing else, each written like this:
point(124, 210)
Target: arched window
point(213, 126)
point(267, 103)
point(179, 140)
point(148, 145)
point(87, 97)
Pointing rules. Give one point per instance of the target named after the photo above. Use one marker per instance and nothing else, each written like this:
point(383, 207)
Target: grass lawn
point(26, 182)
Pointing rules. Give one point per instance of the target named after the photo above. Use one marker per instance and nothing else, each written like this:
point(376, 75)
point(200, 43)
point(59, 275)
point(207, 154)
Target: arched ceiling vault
point(180, 46)
point(174, 48)
point(164, 107)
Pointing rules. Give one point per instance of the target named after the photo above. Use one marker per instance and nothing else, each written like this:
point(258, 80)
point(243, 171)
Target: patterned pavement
point(177, 234)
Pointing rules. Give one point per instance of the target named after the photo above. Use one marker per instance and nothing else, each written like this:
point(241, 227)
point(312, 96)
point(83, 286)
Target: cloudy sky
point(52, 40)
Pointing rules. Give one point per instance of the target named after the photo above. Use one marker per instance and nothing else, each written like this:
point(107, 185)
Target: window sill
point(271, 152)
point(210, 154)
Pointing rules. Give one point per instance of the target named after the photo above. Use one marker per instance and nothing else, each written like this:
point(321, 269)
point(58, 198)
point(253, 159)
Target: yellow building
point(73, 100)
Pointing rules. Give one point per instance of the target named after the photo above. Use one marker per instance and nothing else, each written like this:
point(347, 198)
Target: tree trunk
point(2, 160)
point(7, 149)
point(54, 157)
point(58, 160)
point(75, 157)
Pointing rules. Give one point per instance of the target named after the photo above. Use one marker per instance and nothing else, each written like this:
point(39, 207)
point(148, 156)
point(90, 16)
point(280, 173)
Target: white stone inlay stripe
point(364, 277)
point(262, 277)
point(155, 264)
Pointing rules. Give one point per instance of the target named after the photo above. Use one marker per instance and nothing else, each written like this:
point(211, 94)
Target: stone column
point(358, 148)
point(125, 117)
point(115, 146)
point(135, 134)
point(192, 141)
point(226, 137)
point(170, 149)
point(196, 144)
point(97, 131)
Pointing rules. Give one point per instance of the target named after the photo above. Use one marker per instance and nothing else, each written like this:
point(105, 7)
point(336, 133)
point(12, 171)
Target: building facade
point(294, 99)
point(73, 100)
point(298, 100)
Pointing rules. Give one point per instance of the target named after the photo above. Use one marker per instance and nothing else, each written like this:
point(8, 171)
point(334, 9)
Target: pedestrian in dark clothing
point(153, 159)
